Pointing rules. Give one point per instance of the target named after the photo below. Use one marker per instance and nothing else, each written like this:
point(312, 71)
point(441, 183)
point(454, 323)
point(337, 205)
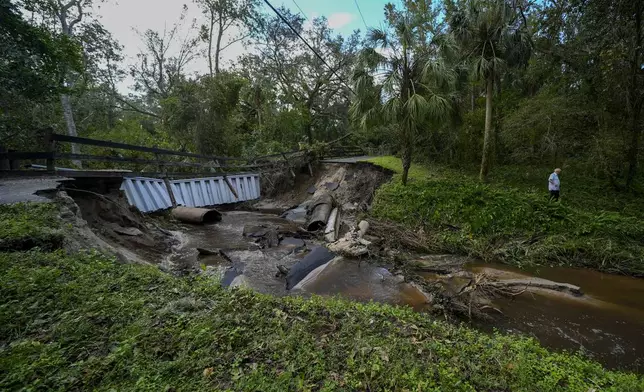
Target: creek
point(607, 322)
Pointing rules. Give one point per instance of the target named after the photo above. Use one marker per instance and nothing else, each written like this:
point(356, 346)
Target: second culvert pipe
point(320, 212)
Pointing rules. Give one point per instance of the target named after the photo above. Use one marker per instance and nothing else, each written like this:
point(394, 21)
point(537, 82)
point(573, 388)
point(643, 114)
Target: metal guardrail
point(153, 194)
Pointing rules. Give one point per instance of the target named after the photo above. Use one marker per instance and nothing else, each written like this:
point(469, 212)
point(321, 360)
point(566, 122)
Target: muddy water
point(364, 282)
point(607, 322)
point(348, 278)
point(226, 234)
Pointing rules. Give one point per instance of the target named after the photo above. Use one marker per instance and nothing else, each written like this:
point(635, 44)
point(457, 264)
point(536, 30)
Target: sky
point(123, 17)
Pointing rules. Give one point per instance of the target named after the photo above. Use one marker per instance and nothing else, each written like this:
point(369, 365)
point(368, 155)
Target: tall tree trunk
point(308, 127)
point(257, 95)
point(111, 116)
point(309, 131)
point(406, 159)
point(473, 98)
point(220, 34)
point(633, 150)
point(635, 100)
point(67, 28)
point(488, 138)
point(212, 26)
point(71, 125)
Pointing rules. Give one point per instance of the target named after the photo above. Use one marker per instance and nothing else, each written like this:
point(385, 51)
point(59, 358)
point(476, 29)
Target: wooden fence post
point(50, 145)
point(4, 162)
point(164, 172)
point(14, 164)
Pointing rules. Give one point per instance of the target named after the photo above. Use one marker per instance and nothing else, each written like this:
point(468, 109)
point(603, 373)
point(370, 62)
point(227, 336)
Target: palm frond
point(370, 116)
point(416, 108)
point(439, 107)
point(371, 58)
point(378, 37)
point(392, 109)
point(362, 81)
point(391, 81)
point(437, 72)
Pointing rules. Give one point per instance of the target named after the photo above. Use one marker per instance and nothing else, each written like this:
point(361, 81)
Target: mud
point(124, 228)
point(352, 187)
point(80, 236)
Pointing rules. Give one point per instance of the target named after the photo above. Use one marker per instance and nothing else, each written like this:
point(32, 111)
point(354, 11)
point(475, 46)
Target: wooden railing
point(161, 159)
point(345, 151)
point(10, 161)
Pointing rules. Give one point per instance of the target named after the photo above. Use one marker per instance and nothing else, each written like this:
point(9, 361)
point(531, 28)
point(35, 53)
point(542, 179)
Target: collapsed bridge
point(154, 178)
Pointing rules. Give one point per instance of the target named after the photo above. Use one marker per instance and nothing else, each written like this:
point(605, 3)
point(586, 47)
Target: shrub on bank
point(497, 222)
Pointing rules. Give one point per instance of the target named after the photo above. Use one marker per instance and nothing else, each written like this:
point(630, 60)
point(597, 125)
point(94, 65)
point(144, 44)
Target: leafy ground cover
point(86, 322)
point(25, 226)
point(513, 221)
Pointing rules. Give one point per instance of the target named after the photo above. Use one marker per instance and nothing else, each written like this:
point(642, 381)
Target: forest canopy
point(456, 82)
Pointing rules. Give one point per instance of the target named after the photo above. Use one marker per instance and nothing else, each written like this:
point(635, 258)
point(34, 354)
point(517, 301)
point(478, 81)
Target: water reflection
point(362, 281)
point(607, 322)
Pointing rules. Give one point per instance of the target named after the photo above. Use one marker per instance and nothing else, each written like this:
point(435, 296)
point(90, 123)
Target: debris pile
point(353, 244)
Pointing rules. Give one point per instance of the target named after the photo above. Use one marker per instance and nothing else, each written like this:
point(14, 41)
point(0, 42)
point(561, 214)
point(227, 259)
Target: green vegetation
point(413, 91)
point(86, 322)
point(492, 83)
point(515, 224)
point(26, 226)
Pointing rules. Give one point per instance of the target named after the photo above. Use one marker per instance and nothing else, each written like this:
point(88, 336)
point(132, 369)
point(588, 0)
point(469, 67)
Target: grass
point(85, 322)
point(25, 226)
point(512, 221)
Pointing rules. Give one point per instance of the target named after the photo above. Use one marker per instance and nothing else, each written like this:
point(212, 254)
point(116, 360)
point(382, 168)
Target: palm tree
point(402, 81)
point(492, 38)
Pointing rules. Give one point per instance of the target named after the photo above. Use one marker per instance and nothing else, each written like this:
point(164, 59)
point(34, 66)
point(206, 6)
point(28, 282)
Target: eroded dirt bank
point(267, 248)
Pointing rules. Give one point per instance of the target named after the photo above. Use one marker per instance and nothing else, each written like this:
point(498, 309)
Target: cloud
point(120, 17)
point(340, 19)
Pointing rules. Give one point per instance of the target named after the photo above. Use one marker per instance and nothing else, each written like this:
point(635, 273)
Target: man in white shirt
point(554, 184)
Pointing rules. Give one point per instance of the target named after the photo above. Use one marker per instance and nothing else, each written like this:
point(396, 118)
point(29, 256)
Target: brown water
point(364, 282)
point(607, 323)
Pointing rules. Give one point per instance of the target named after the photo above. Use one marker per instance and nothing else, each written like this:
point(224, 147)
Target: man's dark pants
point(554, 195)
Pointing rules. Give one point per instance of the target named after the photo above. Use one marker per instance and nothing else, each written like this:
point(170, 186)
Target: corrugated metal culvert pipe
point(320, 212)
point(196, 215)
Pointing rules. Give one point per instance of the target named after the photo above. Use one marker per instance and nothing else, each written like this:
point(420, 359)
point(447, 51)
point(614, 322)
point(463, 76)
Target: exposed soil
point(352, 186)
point(105, 221)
